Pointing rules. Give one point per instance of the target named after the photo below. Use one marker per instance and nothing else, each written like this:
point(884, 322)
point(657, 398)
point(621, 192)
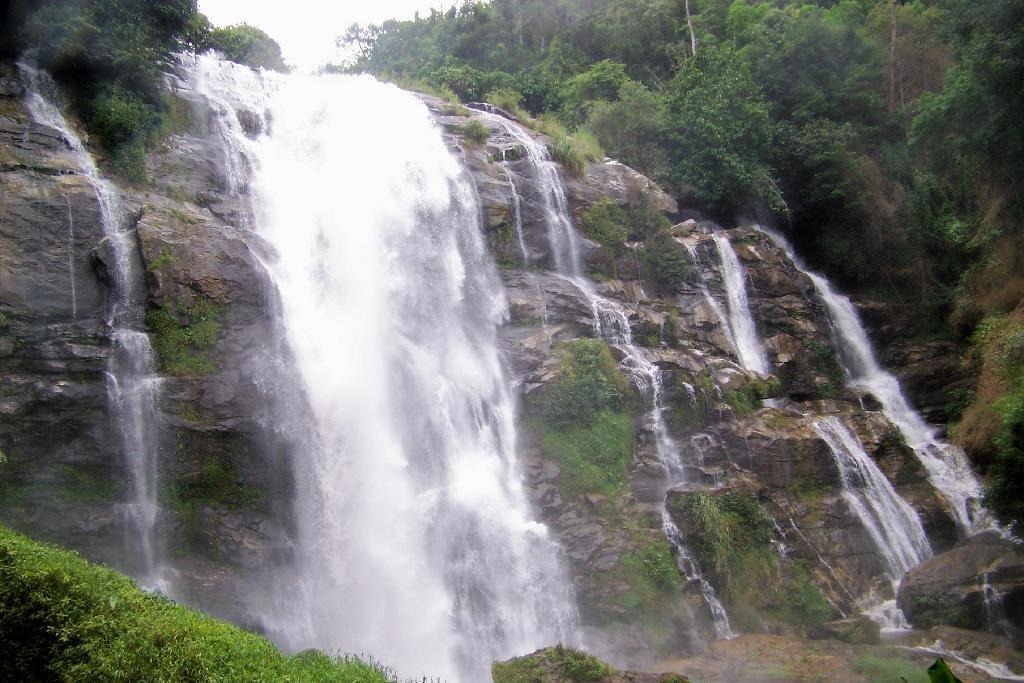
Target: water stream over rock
point(947, 466)
point(132, 384)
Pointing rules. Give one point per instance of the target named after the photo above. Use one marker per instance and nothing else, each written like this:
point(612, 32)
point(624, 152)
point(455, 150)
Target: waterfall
point(71, 260)
point(947, 466)
point(744, 331)
point(891, 523)
point(723, 321)
point(132, 384)
point(415, 540)
point(562, 237)
point(611, 324)
point(517, 208)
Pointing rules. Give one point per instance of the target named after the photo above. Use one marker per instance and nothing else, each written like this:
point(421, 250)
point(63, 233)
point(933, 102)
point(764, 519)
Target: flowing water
point(723, 321)
point(132, 384)
point(892, 524)
point(947, 466)
point(611, 324)
point(744, 332)
point(416, 542)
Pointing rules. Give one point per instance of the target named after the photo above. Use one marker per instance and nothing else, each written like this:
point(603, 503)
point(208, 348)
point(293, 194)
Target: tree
point(247, 45)
point(719, 133)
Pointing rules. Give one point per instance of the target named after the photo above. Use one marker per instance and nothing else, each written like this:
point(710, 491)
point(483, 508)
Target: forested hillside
point(884, 136)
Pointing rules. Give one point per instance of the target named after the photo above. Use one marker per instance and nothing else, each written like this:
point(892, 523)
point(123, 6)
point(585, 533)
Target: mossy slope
point(64, 619)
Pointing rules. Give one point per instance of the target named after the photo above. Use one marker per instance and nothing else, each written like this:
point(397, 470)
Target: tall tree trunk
point(689, 24)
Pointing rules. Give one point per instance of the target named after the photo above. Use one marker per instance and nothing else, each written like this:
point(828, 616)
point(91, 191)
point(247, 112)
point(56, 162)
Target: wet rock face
point(62, 479)
point(224, 475)
point(979, 585)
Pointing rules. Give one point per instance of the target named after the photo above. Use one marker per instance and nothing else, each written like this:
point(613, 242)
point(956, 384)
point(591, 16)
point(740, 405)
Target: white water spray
point(415, 542)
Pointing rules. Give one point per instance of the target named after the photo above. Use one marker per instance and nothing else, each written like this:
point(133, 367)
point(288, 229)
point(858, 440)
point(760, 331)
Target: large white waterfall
point(416, 542)
point(132, 384)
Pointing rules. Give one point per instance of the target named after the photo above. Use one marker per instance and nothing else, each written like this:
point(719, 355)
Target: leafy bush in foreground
point(62, 618)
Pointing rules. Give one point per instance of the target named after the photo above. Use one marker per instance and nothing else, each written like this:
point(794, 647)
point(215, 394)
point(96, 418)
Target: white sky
point(307, 29)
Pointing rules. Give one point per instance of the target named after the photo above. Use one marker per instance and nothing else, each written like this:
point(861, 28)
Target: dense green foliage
point(62, 619)
point(588, 383)
point(584, 425)
point(885, 134)
point(182, 335)
point(109, 56)
point(246, 45)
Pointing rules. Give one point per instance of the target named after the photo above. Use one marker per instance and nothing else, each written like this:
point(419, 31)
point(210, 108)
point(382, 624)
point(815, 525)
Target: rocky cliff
point(796, 561)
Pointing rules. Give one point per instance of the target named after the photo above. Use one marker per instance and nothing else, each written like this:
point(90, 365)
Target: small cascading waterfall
point(744, 332)
point(415, 540)
point(517, 206)
point(132, 384)
point(71, 260)
point(562, 237)
point(891, 523)
point(723, 321)
point(947, 466)
point(611, 324)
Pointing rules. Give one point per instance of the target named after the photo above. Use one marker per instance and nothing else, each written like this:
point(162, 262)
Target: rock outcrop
point(978, 584)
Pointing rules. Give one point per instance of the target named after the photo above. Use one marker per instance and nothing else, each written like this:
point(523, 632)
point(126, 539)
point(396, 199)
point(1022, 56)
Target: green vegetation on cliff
point(552, 664)
point(64, 619)
point(732, 535)
point(584, 425)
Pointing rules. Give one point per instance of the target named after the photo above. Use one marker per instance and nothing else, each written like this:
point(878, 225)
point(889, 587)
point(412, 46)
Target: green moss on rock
point(182, 335)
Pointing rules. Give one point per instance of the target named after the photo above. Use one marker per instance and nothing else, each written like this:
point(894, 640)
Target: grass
point(62, 618)
point(731, 535)
point(417, 85)
point(593, 458)
point(748, 397)
point(181, 346)
point(572, 150)
point(476, 133)
point(889, 670)
point(165, 259)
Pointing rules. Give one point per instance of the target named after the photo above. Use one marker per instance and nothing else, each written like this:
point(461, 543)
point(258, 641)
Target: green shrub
point(748, 397)
point(605, 223)
point(476, 132)
point(588, 383)
point(579, 666)
point(247, 45)
point(62, 618)
point(509, 100)
point(124, 124)
point(668, 266)
point(180, 346)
